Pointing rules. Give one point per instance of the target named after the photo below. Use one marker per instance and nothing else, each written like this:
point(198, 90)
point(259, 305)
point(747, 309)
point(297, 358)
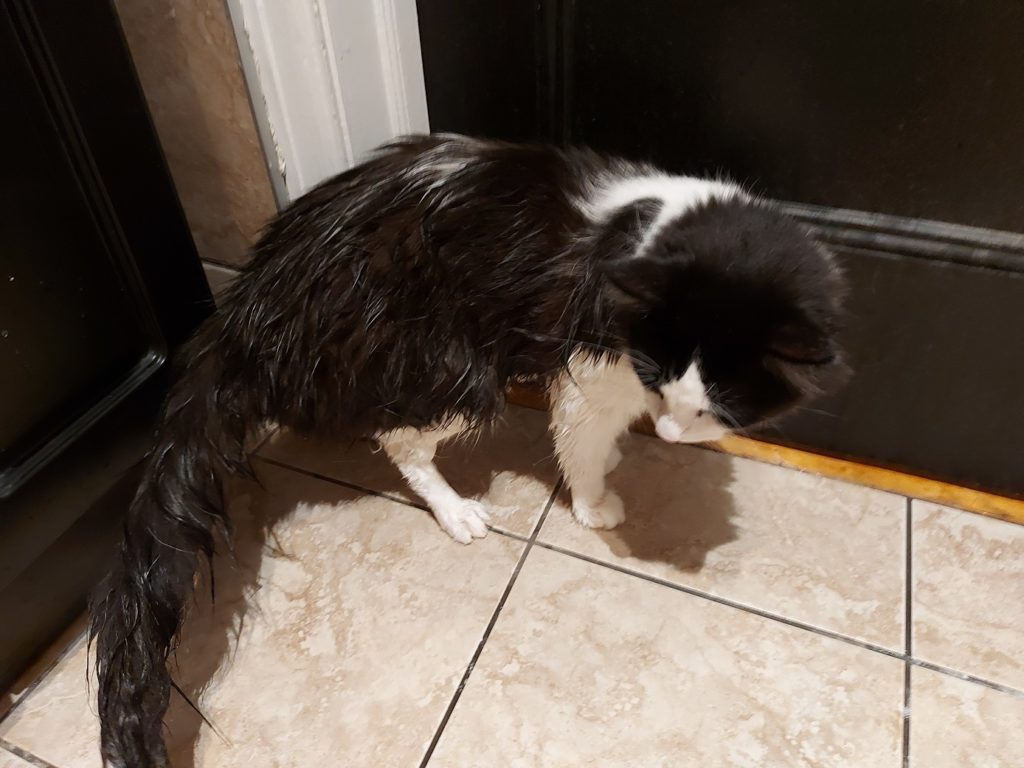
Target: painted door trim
point(329, 81)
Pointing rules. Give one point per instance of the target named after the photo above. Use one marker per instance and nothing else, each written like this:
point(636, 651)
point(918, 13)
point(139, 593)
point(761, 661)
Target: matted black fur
point(410, 291)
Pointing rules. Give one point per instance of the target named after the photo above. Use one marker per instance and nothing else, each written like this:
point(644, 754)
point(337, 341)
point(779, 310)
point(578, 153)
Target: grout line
point(559, 483)
point(490, 626)
point(528, 540)
point(728, 603)
point(28, 757)
point(950, 672)
point(380, 494)
point(509, 534)
point(868, 646)
point(906, 714)
point(266, 439)
point(73, 642)
point(908, 631)
point(343, 483)
point(900, 655)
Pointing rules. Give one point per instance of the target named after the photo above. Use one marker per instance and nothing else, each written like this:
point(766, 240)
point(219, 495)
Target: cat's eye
point(802, 343)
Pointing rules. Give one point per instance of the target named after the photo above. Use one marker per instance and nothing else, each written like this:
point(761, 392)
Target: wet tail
point(174, 522)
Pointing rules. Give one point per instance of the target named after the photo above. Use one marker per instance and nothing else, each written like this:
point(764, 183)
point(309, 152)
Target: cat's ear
point(621, 233)
point(803, 342)
point(632, 279)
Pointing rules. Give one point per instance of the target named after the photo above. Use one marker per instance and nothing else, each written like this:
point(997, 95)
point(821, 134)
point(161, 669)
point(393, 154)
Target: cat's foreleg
point(412, 451)
point(585, 428)
point(613, 458)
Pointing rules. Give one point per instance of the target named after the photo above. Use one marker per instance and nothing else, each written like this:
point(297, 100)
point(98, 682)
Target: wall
point(187, 60)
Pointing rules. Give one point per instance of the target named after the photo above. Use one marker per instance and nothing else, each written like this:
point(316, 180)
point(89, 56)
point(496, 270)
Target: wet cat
point(398, 300)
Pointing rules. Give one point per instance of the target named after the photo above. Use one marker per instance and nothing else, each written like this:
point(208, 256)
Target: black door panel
point(895, 129)
point(76, 331)
point(99, 282)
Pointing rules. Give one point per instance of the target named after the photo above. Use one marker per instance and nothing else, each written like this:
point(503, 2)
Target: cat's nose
point(668, 429)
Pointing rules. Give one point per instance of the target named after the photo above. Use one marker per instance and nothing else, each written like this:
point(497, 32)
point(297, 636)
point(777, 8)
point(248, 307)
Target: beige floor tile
point(511, 467)
point(590, 667)
point(60, 704)
point(49, 658)
point(957, 724)
point(968, 610)
point(350, 646)
point(9, 760)
point(814, 550)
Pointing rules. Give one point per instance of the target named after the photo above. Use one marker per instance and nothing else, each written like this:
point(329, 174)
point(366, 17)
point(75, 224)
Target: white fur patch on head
point(677, 195)
point(685, 414)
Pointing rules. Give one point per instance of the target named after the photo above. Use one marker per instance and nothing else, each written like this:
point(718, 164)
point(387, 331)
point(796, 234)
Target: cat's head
point(729, 313)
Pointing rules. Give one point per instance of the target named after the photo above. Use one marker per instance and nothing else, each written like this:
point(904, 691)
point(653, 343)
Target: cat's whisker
point(817, 411)
point(725, 416)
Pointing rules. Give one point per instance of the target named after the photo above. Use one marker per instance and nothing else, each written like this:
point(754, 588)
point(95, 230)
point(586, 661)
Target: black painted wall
point(895, 128)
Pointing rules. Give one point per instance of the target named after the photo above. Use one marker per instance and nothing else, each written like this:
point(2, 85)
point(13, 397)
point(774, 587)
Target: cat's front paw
point(607, 512)
point(464, 520)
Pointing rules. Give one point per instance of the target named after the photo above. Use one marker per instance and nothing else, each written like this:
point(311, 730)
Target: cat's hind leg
point(412, 451)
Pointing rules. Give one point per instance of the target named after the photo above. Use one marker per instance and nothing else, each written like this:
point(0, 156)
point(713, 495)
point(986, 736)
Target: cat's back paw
point(608, 512)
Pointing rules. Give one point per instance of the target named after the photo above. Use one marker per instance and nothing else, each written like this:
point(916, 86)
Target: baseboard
point(894, 481)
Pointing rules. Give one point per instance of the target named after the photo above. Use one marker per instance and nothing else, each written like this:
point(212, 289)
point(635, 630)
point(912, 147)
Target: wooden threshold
point(891, 480)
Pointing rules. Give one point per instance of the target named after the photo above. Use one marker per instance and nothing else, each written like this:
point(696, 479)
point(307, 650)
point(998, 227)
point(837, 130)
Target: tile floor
point(745, 615)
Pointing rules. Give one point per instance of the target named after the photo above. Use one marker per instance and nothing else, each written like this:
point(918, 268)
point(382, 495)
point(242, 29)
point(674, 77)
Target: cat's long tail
point(175, 520)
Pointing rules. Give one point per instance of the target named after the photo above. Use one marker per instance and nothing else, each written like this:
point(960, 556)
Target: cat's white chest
point(598, 388)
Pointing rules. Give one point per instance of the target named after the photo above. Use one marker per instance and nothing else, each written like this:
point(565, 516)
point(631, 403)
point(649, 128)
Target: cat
point(398, 300)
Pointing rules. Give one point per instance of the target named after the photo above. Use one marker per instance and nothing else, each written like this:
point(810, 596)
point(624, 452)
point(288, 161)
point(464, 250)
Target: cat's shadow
point(677, 498)
point(679, 508)
point(678, 503)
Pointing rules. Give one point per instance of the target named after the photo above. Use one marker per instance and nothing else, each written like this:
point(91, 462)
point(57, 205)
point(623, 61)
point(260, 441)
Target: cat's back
point(428, 223)
point(432, 267)
point(434, 189)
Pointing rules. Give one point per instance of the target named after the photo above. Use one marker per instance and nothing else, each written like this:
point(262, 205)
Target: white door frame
point(329, 81)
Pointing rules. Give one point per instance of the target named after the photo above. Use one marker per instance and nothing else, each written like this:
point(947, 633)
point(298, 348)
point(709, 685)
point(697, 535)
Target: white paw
point(464, 520)
point(614, 457)
point(608, 512)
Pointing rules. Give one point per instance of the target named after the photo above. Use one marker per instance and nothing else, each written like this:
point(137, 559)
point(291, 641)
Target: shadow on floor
point(679, 506)
point(678, 509)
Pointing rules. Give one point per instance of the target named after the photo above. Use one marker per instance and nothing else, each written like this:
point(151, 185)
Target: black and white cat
point(399, 299)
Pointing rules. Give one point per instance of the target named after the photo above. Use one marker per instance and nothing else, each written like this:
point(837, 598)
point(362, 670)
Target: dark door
point(99, 282)
point(895, 129)
point(76, 331)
